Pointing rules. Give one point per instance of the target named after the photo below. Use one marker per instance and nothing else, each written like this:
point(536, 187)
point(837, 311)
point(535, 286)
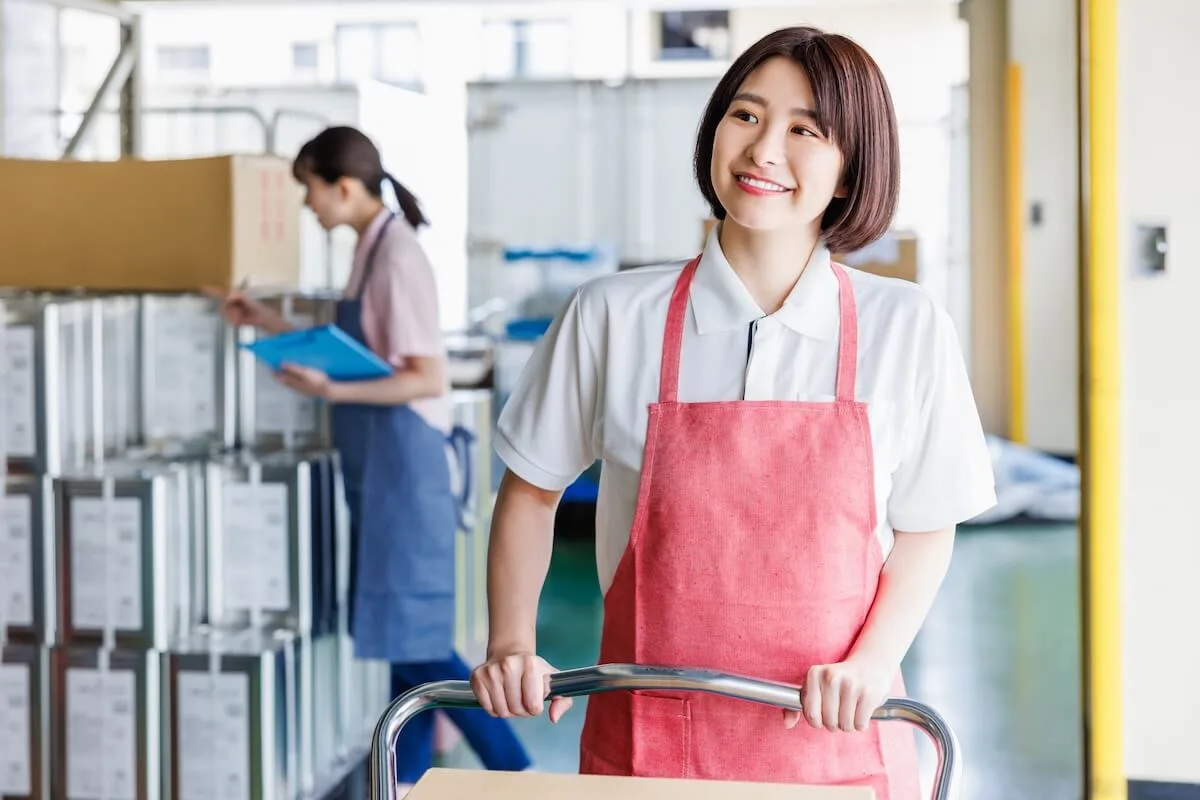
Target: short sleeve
point(404, 303)
point(945, 474)
point(546, 433)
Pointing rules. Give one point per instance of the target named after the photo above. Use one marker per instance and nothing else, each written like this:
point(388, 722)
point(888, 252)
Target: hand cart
point(612, 677)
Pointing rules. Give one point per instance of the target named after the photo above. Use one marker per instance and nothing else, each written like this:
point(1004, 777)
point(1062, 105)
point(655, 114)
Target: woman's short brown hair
point(855, 107)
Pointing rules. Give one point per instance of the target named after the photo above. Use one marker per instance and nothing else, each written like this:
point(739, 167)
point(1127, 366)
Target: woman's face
point(772, 168)
point(325, 200)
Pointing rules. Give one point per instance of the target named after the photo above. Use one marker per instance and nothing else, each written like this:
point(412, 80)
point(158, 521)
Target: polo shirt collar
point(721, 302)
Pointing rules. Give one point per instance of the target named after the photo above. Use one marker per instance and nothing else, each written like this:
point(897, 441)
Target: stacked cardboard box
point(149, 226)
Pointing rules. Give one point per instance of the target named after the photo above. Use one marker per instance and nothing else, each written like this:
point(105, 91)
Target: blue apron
point(403, 518)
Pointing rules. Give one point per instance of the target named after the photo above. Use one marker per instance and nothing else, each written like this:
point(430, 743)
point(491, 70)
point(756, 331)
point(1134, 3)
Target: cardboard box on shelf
point(443, 784)
point(892, 256)
point(143, 225)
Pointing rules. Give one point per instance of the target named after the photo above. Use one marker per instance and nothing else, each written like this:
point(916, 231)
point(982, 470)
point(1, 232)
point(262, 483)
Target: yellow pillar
point(1014, 212)
point(1100, 359)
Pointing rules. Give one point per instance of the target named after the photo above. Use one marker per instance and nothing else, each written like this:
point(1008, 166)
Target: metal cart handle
point(611, 677)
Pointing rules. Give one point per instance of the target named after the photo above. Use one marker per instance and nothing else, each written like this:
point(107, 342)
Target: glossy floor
point(999, 657)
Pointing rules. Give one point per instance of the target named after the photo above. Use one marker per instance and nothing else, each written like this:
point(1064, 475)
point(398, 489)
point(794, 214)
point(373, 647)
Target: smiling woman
point(787, 446)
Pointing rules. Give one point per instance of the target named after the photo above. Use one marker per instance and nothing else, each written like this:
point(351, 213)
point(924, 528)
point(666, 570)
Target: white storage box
point(188, 377)
point(72, 370)
point(233, 729)
point(27, 560)
point(120, 371)
point(329, 732)
point(302, 699)
point(260, 543)
point(24, 722)
point(54, 405)
point(328, 524)
point(375, 687)
point(127, 556)
point(106, 724)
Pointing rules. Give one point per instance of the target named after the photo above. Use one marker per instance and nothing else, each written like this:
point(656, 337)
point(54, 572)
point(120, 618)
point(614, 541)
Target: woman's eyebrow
point(750, 97)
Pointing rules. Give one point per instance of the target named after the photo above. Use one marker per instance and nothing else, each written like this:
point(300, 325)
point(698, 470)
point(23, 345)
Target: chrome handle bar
point(612, 677)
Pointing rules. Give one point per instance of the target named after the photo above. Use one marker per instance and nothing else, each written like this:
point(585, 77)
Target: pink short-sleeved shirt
point(400, 305)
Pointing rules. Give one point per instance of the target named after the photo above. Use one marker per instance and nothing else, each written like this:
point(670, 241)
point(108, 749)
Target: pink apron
point(752, 551)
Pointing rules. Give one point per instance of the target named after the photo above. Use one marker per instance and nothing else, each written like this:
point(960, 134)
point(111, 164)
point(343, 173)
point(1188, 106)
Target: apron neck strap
point(369, 264)
point(847, 369)
point(668, 382)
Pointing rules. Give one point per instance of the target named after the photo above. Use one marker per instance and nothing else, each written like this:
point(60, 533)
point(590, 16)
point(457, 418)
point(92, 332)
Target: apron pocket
point(661, 735)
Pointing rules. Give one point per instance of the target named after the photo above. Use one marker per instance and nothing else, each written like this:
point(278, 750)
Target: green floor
point(998, 657)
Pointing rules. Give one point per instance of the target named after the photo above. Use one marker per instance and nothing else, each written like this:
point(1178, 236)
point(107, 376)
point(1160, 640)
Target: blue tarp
point(1031, 485)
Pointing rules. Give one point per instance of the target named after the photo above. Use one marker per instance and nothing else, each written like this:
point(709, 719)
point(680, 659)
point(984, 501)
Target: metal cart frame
point(613, 677)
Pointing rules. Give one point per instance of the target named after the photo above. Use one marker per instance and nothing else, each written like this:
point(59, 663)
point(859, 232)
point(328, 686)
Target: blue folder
point(327, 348)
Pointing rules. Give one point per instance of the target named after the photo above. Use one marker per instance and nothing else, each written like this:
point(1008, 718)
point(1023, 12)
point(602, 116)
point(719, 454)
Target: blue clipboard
point(326, 348)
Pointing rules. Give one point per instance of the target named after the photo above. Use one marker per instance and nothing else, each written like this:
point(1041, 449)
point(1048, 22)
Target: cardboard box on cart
point(149, 225)
point(443, 784)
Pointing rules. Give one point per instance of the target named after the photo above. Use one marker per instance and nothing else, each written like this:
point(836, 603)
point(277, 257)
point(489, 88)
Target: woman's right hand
point(239, 309)
point(517, 685)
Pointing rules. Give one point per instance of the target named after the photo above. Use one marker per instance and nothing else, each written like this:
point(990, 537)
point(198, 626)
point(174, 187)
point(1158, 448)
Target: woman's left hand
point(308, 382)
point(842, 697)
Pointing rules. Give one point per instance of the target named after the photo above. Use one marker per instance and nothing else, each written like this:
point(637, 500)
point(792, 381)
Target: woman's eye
point(745, 116)
point(802, 131)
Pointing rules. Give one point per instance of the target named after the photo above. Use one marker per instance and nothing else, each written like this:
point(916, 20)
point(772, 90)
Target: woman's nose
point(767, 148)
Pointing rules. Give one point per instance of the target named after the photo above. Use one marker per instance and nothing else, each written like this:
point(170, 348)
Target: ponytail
point(344, 152)
point(409, 205)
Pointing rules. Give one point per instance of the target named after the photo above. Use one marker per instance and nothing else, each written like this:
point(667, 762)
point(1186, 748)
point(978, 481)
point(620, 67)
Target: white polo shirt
point(585, 393)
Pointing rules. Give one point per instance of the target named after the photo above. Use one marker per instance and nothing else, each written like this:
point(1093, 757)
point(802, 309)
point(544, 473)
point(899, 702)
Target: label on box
point(101, 736)
point(20, 396)
point(183, 351)
point(16, 778)
point(16, 561)
point(257, 557)
point(106, 565)
point(213, 729)
point(278, 408)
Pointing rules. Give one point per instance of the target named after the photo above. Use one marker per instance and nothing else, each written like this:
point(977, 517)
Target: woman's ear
point(345, 187)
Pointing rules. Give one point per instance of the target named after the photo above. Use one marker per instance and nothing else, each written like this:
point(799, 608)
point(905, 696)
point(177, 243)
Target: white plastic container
point(27, 561)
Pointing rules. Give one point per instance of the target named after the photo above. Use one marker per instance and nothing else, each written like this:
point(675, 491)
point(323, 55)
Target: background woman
point(391, 434)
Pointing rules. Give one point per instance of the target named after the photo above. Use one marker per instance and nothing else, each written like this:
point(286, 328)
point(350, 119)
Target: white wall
point(581, 163)
point(1039, 38)
point(1159, 180)
point(1042, 41)
point(451, 35)
point(28, 79)
point(608, 41)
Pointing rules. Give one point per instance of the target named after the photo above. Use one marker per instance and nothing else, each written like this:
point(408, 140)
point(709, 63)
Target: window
point(388, 52)
point(526, 49)
point(306, 57)
point(184, 58)
point(694, 35)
